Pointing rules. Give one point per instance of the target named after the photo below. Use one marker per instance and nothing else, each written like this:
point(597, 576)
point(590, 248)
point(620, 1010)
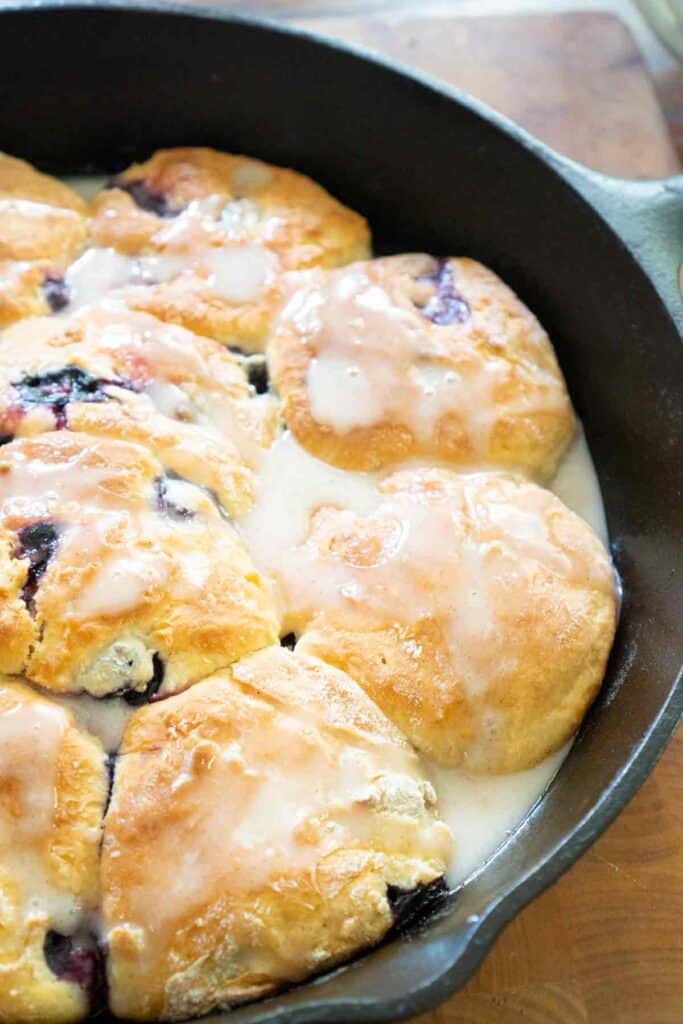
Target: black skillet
point(90, 88)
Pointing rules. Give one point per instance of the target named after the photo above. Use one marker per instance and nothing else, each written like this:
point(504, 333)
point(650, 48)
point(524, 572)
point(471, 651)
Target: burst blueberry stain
point(57, 388)
point(410, 907)
point(166, 504)
point(447, 305)
point(146, 197)
point(110, 768)
point(56, 292)
point(257, 373)
point(77, 959)
point(37, 543)
point(136, 698)
point(255, 367)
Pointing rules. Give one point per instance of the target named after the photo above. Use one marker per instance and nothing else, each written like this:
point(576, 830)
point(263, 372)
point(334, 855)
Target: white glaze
point(110, 531)
point(235, 273)
point(376, 360)
point(282, 783)
point(481, 811)
point(105, 719)
point(32, 210)
point(96, 273)
point(238, 275)
point(121, 585)
point(576, 483)
point(293, 485)
point(484, 811)
point(30, 740)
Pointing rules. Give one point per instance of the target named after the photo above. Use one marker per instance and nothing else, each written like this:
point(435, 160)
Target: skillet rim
point(466, 948)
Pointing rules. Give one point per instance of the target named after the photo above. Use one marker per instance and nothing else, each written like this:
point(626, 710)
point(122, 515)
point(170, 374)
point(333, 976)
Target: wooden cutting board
point(605, 944)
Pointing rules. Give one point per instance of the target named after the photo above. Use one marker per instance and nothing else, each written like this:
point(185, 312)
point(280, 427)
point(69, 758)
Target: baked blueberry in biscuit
point(52, 795)
point(144, 196)
point(409, 356)
point(207, 236)
point(111, 371)
point(108, 591)
point(447, 305)
point(37, 543)
point(43, 228)
point(280, 810)
point(476, 610)
point(79, 960)
point(56, 292)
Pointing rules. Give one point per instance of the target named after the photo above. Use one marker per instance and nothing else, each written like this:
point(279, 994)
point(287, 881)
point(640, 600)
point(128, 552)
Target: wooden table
point(605, 944)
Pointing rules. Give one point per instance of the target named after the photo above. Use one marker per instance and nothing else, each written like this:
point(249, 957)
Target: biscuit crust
point(130, 580)
point(52, 794)
point(476, 610)
point(43, 227)
point(206, 216)
point(109, 371)
point(408, 356)
point(255, 824)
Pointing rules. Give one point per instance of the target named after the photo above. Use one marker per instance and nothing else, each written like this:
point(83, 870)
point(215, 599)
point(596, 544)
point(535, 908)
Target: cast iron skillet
point(93, 87)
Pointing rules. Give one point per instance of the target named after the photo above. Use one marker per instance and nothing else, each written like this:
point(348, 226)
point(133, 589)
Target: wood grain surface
point(575, 80)
point(605, 944)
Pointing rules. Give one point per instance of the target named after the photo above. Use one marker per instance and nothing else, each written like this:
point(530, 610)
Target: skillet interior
point(86, 89)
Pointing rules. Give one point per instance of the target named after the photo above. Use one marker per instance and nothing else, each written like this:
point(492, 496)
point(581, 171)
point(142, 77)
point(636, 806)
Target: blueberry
point(257, 373)
point(136, 698)
point(77, 958)
point(56, 388)
point(410, 907)
point(289, 641)
point(165, 504)
point(56, 292)
point(447, 305)
point(6, 438)
point(110, 768)
point(38, 543)
point(255, 367)
point(144, 196)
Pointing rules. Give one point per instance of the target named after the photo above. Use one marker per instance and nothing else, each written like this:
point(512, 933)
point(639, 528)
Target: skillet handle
point(647, 216)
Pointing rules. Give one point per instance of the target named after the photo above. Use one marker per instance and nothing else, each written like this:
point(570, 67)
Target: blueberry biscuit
point(110, 371)
point(411, 356)
point(52, 794)
point(118, 578)
point(43, 227)
point(206, 236)
point(476, 610)
point(281, 811)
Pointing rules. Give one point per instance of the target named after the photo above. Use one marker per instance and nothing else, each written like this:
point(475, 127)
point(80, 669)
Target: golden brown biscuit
point(40, 217)
point(43, 227)
point(409, 356)
point(28, 289)
point(19, 180)
point(205, 236)
point(476, 610)
point(111, 371)
point(257, 827)
point(52, 794)
point(131, 580)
